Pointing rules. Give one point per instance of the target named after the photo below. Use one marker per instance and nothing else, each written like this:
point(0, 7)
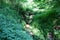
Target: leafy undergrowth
point(42, 17)
point(11, 27)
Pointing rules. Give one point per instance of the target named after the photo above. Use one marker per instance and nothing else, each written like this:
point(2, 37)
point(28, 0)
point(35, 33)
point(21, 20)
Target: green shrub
point(11, 27)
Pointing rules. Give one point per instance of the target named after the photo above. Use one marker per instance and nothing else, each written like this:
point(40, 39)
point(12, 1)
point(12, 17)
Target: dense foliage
point(10, 26)
point(43, 17)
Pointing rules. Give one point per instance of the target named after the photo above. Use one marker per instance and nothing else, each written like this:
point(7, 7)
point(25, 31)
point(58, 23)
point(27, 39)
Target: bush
point(11, 27)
